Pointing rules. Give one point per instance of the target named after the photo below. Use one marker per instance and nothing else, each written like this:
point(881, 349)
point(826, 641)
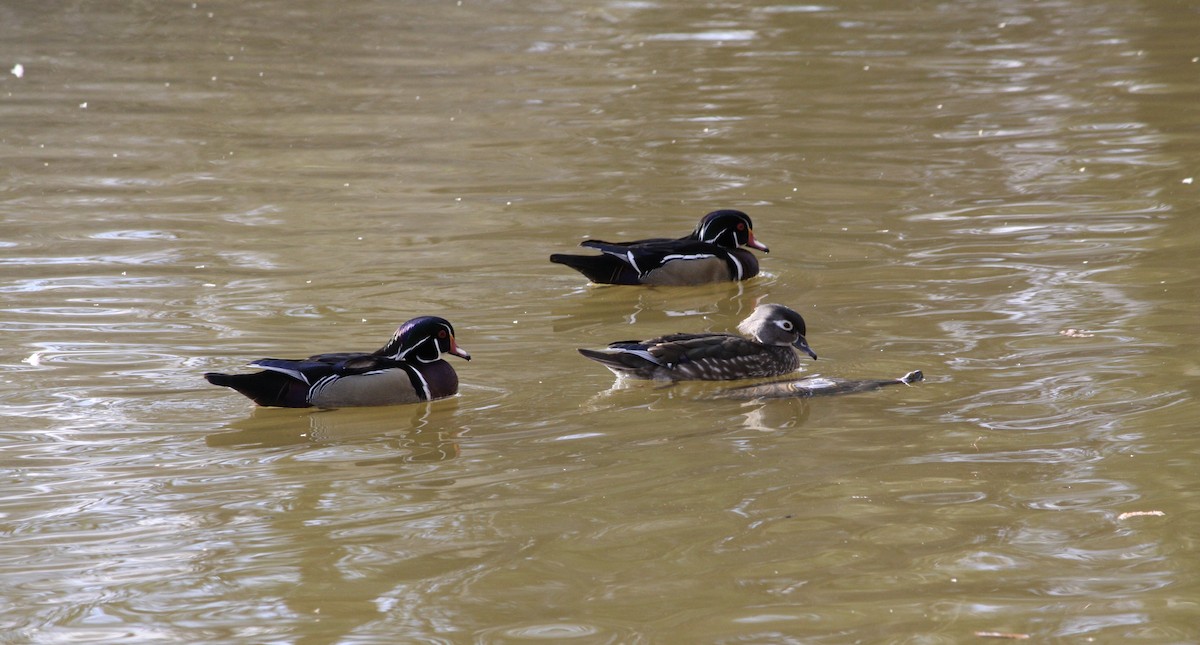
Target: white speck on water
point(359, 238)
point(1082, 168)
point(214, 79)
point(707, 36)
point(83, 106)
point(33, 359)
point(18, 70)
point(1188, 180)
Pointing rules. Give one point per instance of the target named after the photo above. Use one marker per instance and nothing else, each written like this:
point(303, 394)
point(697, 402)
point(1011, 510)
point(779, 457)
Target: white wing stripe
point(296, 374)
point(642, 353)
point(681, 256)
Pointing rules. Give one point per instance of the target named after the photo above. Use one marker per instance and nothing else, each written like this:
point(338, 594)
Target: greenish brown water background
point(999, 194)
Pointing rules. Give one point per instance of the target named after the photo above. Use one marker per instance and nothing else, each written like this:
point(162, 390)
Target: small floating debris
point(18, 70)
point(814, 386)
point(1128, 514)
point(1071, 332)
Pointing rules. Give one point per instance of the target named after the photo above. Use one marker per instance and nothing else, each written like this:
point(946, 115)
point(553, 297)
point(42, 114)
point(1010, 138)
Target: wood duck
point(408, 369)
point(710, 254)
point(771, 333)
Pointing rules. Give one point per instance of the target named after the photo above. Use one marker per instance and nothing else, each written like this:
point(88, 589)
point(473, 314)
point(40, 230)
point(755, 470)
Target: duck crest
point(726, 228)
point(423, 339)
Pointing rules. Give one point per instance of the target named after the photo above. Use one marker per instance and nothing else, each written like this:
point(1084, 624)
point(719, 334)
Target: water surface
point(1001, 196)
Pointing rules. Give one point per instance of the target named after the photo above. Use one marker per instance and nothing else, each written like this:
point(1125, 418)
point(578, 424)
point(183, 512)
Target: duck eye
point(741, 226)
point(441, 333)
point(786, 325)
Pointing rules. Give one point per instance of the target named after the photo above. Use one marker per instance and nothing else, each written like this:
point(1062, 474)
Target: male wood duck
point(408, 369)
point(711, 253)
point(771, 333)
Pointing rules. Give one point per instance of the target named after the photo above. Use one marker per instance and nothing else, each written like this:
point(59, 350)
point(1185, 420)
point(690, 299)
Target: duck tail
point(268, 389)
point(601, 269)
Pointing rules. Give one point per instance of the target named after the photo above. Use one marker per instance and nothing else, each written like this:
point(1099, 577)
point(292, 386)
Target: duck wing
point(645, 256)
point(314, 368)
point(674, 350)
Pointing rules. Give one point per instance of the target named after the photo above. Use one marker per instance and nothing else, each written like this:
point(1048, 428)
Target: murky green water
point(1000, 195)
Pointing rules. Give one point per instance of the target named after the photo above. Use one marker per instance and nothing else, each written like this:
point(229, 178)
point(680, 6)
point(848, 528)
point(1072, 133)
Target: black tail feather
point(601, 269)
point(267, 388)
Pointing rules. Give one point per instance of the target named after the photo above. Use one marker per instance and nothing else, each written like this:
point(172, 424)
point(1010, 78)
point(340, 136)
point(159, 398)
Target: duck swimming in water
point(408, 369)
point(711, 253)
point(772, 334)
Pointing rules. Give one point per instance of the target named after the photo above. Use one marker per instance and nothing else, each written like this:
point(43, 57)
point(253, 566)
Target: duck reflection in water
point(418, 433)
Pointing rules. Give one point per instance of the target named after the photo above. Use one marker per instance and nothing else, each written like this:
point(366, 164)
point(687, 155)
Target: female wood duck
point(408, 369)
point(710, 254)
point(773, 331)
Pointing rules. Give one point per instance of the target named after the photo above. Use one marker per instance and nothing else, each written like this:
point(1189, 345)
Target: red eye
point(741, 226)
point(442, 334)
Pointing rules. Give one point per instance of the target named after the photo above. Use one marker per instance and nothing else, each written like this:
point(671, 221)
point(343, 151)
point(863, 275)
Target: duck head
point(772, 324)
point(424, 340)
point(728, 228)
